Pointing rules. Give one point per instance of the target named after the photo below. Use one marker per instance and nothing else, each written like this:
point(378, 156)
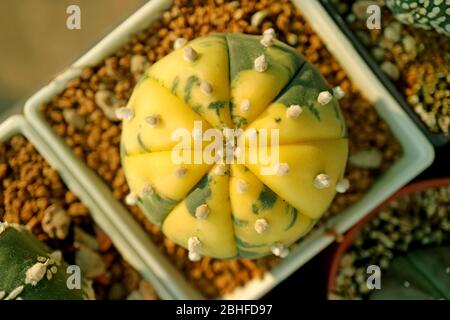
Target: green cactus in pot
point(419, 275)
point(31, 271)
point(424, 14)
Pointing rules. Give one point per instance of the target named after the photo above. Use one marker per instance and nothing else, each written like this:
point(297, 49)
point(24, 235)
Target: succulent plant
point(425, 14)
point(419, 275)
point(229, 209)
point(30, 271)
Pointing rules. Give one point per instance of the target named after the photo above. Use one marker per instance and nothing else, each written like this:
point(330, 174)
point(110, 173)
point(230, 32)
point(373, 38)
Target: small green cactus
point(419, 275)
point(425, 14)
point(30, 271)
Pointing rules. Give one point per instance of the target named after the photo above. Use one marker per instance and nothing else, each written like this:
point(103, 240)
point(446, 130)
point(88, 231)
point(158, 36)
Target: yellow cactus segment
point(311, 121)
point(285, 223)
point(304, 128)
point(215, 231)
point(202, 82)
point(301, 163)
point(151, 101)
point(162, 187)
point(259, 89)
point(251, 85)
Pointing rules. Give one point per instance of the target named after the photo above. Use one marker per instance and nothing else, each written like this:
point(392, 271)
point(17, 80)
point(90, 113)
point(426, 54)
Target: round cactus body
point(30, 271)
point(247, 88)
point(425, 14)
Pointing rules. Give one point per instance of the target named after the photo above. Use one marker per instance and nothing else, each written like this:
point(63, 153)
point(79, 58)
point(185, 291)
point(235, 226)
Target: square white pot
point(417, 155)
point(18, 125)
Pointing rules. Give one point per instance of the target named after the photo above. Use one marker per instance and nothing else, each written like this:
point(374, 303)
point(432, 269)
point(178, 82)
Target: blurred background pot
point(341, 248)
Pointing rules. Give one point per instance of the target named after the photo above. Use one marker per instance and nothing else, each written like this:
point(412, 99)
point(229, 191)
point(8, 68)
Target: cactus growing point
point(234, 81)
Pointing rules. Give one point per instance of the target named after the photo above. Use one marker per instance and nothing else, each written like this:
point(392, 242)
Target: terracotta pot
point(342, 247)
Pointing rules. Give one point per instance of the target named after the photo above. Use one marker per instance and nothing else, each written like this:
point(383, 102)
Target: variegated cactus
point(30, 271)
point(231, 209)
point(424, 14)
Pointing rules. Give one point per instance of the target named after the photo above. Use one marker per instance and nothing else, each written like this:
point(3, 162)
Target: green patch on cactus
point(197, 108)
point(239, 122)
point(426, 15)
point(175, 84)
point(190, 83)
point(304, 89)
point(142, 144)
point(198, 196)
point(156, 207)
point(123, 150)
point(30, 271)
point(266, 200)
point(418, 275)
point(208, 42)
point(239, 222)
point(279, 54)
point(144, 77)
point(242, 253)
point(294, 214)
point(246, 245)
point(217, 106)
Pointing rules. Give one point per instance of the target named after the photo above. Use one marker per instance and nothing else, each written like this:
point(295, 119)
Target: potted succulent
point(51, 244)
point(407, 229)
point(77, 114)
point(408, 53)
point(33, 272)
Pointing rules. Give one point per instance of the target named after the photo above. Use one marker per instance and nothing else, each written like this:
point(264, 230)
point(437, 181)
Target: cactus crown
point(227, 208)
point(30, 271)
point(424, 14)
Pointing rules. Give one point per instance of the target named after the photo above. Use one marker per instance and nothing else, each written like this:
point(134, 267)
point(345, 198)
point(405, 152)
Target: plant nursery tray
point(437, 139)
point(18, 125)
point(129, 235)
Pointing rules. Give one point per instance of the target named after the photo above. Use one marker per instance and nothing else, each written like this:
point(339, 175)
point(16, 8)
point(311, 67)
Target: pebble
point(359, 8)
point(56, 222)
point(108, 103)
point(258, 18)
point(369, 158)
point(393, 32)
point(90, 262)
point(71, 116)
point(83, 238)
point(391, 70)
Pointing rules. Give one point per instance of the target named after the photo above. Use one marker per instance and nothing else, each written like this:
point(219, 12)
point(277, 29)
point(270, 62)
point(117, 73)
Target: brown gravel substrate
point(95, 138)
point(416, 60)
point(415, 221)
point(29, 187)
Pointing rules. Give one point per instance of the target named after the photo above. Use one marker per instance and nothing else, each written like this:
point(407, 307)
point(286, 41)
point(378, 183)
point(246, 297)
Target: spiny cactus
point(30, 271)
point(231, 209)
point(425, 14)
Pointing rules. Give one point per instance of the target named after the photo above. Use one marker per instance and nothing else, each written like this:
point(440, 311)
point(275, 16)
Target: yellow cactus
point(240, 204)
